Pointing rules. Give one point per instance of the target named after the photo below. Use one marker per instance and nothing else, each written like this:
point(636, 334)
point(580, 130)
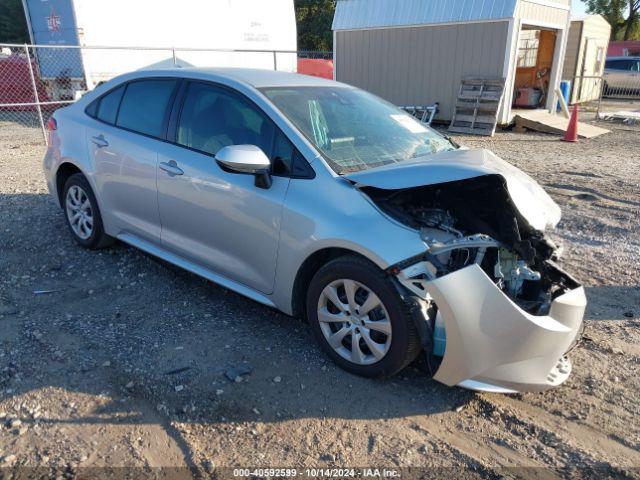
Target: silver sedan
point(326, 202)
point(622, 76)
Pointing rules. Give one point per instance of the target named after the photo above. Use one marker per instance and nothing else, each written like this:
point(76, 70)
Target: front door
point(216, 218)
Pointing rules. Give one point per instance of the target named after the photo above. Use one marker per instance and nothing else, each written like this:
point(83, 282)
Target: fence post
point(173, 53)
point(600, 98)
point(275, 60)
point(35, 93)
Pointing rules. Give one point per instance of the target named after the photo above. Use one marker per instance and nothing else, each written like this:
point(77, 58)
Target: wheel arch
point(309, 267)
point(64, 171)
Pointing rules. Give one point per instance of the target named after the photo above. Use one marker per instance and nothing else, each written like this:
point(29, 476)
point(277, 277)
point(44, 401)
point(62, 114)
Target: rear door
point(130, 123)
point(216, 218)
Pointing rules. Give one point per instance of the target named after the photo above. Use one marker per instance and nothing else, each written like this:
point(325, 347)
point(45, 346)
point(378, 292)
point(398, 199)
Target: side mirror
point(247, 159)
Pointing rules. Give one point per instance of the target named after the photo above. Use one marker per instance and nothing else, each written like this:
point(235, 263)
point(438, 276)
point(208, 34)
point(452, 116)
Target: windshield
point(356, 130)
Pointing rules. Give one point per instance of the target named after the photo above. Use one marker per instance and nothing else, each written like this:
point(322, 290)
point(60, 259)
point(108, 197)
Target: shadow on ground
point(153, 344)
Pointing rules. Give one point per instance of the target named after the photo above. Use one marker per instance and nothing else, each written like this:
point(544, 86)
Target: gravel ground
point(123, 362)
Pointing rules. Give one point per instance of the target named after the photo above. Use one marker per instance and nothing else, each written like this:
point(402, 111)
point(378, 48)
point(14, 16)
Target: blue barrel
point(565, 88)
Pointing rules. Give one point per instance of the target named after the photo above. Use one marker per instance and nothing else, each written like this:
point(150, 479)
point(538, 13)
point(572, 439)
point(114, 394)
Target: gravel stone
point(148, 319)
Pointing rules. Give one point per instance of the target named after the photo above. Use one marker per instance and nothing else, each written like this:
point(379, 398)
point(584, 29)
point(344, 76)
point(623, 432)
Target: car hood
point(533, 203)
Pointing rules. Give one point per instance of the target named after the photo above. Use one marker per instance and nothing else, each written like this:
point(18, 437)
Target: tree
point(633, 22)
point(623, 15)
point(13, 25)
point(314, 18)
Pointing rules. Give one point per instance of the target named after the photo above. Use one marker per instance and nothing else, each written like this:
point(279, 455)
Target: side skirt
point(194, 268)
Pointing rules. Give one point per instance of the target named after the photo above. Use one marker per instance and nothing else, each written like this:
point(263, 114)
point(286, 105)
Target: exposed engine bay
point(474, 221)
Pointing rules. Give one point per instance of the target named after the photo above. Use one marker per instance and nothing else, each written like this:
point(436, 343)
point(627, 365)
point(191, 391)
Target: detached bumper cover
point(493, 345)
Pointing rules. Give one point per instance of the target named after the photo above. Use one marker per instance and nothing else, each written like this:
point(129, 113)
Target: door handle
point(100, 141)
point(171, 168)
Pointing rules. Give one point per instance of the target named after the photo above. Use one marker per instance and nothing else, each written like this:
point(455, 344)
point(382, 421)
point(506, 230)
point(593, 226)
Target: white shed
point(585, 57)
point(417, 51)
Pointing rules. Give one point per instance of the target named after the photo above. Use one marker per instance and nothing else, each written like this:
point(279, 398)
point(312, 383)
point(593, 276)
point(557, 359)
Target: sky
point(578, 7)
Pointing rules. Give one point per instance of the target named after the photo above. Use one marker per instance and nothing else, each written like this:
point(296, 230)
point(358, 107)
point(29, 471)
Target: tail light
point(52, 125)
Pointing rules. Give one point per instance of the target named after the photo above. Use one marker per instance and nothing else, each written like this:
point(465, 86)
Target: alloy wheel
point(79, 212)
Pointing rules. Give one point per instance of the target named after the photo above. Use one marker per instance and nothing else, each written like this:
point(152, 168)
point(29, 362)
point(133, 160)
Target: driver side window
point(213, 118)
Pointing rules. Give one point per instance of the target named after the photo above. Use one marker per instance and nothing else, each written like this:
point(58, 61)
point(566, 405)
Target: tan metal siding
point(593, 27)
point(541, 13)
point(597, 27)
point(421, 65)
point(573, 50)
point(595, 36)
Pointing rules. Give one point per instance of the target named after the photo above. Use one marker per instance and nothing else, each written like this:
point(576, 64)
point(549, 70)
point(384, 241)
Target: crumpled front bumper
point(493, 345)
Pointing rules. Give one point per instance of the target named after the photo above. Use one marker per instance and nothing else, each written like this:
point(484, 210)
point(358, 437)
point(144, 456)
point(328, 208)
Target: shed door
point(592, 63)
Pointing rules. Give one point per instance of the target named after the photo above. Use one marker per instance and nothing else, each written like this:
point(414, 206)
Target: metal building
point(417, 51)
point(585, 57)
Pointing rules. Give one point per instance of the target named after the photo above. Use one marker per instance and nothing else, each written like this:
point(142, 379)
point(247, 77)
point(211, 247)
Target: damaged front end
point(499, 313)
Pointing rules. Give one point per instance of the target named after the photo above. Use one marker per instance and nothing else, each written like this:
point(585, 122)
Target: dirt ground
point(122, 363)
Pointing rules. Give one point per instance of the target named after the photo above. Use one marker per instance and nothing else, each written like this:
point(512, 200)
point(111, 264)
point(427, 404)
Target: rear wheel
point(360, 320)
point(83, 215)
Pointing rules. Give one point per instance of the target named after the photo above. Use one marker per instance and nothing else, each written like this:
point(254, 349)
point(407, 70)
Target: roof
point(254, 77)
point(265, 78)
point(242, 79)
point(589, 17)
point(363, 14)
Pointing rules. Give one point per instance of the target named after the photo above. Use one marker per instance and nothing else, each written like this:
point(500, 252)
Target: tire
point(78, 199)
point(393, 351)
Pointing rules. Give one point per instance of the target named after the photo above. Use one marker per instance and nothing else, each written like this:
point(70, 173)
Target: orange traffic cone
point(572, 130)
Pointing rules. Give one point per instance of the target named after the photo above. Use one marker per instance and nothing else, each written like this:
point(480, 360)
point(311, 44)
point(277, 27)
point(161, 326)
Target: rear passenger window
point(145, 105)
point(108, 106)
point(92, 109)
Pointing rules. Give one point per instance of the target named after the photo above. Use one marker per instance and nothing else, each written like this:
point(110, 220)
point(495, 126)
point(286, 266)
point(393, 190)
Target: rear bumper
point(48, 163)
point(494, 345)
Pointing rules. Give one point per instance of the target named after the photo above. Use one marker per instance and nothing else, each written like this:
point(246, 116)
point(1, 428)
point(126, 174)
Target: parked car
point(324, 201)
point(622, 76)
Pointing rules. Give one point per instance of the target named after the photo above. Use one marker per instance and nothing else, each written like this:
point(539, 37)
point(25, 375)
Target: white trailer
point(126, 35)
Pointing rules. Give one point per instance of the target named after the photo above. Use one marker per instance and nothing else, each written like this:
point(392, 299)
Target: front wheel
point(360, 320)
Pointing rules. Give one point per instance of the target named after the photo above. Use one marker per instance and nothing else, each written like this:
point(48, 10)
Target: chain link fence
point(26, 97)
point(620, 84)
point(606, 99)
point(315, 54)
point(620, 96)
point(35, 80)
